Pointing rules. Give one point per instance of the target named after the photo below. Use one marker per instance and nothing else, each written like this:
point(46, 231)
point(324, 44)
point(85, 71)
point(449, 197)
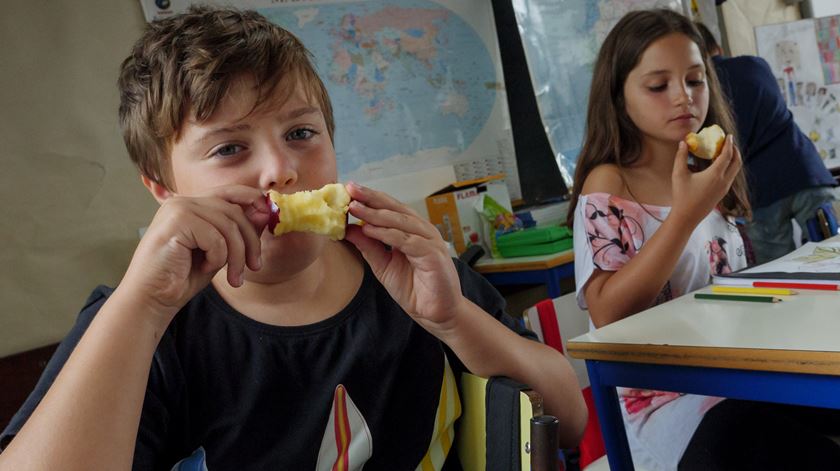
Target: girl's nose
point(684, 97)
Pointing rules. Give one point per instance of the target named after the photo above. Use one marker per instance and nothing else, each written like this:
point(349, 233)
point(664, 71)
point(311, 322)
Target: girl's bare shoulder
point(605, 178)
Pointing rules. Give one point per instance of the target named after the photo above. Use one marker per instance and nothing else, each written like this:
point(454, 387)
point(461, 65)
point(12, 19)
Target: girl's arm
point(612, 296)
point(418, 273)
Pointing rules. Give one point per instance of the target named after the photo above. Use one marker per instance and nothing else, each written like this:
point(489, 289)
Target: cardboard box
point(452, 209)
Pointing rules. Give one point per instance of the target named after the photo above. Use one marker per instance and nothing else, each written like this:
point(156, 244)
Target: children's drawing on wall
point(828, 42)
point(805, 57)
point(787, 58)
point(810, 94)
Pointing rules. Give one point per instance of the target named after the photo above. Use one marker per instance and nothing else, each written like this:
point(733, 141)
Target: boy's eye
point(227, 150)
point(301, 134)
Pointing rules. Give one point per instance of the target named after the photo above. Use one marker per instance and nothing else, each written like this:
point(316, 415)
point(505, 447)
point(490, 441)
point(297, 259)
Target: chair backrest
point(494, 431)
point(556, 321)
point(823, 225)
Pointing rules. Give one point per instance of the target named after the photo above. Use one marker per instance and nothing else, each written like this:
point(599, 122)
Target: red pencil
point(781, 284)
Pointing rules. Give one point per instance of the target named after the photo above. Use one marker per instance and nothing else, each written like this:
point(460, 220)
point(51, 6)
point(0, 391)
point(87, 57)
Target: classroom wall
point(824, 8)
point(740, 18)
point(72, 201)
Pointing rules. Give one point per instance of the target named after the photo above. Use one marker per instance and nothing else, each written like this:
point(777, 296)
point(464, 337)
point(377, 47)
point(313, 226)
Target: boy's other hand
point(192, 238)
point(696, 194)
point(417, 271)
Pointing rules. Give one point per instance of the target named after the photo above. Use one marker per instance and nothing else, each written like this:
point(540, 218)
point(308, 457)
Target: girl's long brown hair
point(610, 135)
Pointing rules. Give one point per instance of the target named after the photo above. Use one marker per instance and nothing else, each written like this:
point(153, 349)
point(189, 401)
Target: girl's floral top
point(608, 232)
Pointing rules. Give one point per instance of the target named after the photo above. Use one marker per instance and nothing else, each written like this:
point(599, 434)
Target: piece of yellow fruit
point(707, 143)
point(321, 211)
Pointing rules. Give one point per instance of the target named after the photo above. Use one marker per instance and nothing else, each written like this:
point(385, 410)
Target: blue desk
point(785, 352)
point(545, 269)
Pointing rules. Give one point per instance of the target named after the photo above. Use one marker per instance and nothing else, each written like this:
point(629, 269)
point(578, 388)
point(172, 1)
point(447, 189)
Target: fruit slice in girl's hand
point(321, 211)
point(707, 143)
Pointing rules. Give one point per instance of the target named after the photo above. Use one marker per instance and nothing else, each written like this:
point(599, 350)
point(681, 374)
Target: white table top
point(799, 334)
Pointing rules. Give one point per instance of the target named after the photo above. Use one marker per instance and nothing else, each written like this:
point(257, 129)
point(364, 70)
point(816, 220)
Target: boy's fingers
point(388, 218)
point(411, 245)
point(251, 200)
point(242, 195)
point(211, 243)
point(371, 249)
point(249, 209)
point(377, 199)
point(234, 233)
point(241, 237)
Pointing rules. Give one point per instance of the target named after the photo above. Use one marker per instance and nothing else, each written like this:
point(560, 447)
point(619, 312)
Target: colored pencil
point(792, 285)
point(751, 290)
point(735, 297)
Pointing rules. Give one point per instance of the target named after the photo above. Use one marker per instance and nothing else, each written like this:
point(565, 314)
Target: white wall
point(72, 202)
point(742, 16)
point(825, 7)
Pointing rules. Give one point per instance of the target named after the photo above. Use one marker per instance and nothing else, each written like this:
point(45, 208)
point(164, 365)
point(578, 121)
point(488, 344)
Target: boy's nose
point(278, 172)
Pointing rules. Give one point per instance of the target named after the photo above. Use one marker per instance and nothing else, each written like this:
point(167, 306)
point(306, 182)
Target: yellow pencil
point(751, 290)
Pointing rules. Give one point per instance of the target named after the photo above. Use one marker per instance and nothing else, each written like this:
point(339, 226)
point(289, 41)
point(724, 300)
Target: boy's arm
point(89, 418)
point(488, 348)
point(56, 362)
point(419, 274)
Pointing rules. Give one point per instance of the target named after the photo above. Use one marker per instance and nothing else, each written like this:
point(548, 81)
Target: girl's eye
point(301, 134)
point(658, 88)
point(696, 83)
point(227, 150)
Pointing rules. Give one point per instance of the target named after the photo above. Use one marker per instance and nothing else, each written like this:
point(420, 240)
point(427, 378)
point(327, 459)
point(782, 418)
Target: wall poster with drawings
point(805, 57)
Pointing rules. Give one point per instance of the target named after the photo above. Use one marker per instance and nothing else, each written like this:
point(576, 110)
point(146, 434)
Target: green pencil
point(735, 297)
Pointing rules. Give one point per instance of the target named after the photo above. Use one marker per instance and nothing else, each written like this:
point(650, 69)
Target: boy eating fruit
point(260, 351)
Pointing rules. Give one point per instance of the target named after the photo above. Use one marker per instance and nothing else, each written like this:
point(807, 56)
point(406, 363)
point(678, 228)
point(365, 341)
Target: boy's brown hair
point(185, 64)
point(610, 135)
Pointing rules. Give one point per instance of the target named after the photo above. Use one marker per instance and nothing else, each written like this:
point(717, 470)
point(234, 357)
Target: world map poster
point(415, 84)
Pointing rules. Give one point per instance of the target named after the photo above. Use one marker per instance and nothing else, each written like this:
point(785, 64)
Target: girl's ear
point(160, 192)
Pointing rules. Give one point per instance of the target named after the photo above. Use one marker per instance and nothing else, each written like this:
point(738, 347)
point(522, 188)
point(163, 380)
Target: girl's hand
point(417, 271)
point(189, 240)
point(696, 194)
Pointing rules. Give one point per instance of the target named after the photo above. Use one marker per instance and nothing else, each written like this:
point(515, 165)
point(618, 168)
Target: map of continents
point(412, 83)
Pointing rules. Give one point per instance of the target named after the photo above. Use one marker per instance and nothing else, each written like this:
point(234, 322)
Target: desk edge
point(562, 259)
point(787, 361)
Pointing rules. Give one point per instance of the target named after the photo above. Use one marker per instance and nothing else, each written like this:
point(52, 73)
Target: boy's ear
point(160, 192)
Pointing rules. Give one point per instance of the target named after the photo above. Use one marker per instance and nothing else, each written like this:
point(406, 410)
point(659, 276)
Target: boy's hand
point(417, 271)
point(192, 238)
point(696, 194)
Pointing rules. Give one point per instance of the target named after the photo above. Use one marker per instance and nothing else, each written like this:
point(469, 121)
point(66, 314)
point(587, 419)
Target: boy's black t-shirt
point(368, 380)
